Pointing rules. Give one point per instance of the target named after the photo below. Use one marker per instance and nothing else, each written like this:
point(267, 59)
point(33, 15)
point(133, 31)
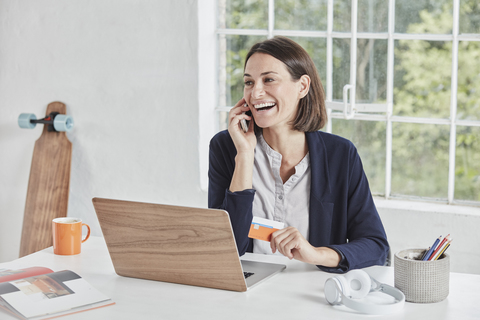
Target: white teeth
point(264, 105)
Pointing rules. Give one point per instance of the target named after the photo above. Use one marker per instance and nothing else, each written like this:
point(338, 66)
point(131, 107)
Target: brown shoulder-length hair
point(311, 112)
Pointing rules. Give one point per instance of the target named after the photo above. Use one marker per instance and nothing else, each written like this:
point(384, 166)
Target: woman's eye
point(268, 80)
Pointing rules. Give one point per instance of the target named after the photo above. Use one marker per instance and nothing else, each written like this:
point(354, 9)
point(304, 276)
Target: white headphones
point(357, 284)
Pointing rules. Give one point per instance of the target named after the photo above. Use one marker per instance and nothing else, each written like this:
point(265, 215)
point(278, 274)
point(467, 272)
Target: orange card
point(262, 229)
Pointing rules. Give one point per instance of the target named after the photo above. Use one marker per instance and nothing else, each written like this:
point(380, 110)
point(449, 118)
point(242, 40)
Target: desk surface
point(296, 293)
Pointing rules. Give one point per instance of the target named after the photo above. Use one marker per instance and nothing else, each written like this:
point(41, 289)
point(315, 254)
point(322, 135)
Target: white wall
point(411, 225)
point(127, 71)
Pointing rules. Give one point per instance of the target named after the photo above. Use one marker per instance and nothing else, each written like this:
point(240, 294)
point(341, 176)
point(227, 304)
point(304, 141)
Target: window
point(402, 81)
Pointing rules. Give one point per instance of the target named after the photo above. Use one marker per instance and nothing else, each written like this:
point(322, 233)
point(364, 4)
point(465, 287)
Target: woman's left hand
point(290, 242)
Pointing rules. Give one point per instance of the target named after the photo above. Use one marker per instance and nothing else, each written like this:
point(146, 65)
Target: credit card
point(262, 229)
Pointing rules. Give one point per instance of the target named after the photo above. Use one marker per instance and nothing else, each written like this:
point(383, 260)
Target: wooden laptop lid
point(171, 243)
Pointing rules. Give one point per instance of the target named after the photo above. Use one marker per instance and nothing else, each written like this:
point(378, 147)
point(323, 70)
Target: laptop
point(184, 245)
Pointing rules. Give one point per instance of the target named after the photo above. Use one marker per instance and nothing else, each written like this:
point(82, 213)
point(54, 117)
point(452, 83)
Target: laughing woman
point(284, 169)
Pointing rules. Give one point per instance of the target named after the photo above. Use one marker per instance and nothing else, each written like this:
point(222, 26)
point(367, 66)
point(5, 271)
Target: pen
point(431, 249)
point(425, 253)
point(443, 250)
point(438, 251)
point(439, 247)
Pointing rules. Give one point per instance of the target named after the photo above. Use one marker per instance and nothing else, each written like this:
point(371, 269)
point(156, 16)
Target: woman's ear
point(304, 82)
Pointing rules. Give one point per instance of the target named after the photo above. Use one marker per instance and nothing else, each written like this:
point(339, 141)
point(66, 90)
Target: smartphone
point(244, 123)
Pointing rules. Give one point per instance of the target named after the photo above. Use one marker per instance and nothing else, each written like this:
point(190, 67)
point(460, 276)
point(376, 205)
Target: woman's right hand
point(245, 142)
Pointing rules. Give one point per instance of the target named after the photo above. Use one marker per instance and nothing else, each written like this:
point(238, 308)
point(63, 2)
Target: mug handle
point(88, 232)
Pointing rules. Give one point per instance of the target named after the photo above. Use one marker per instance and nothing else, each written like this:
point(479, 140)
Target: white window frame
point(349, 109)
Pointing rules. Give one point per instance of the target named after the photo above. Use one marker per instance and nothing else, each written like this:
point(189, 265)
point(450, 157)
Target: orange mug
point(67, 235)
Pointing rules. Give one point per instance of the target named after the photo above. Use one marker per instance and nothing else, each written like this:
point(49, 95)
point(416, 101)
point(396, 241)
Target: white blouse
point(288, 203)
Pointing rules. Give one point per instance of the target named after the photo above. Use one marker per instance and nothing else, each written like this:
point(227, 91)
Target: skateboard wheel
point(24, 120)
point(63, 122)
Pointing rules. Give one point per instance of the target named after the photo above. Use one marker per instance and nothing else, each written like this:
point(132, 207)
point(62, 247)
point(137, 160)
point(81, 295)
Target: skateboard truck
point(55, 122)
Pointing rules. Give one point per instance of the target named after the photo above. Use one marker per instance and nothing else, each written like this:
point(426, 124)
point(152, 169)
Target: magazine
point(40, 293)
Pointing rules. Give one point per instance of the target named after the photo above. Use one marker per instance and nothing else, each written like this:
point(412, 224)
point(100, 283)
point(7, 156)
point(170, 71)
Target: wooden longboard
point(48, 186)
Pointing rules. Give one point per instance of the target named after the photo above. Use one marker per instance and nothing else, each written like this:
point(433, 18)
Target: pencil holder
point(422, 281)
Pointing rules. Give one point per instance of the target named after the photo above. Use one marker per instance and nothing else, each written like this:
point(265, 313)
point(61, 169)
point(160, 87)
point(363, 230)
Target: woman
point(284, 169)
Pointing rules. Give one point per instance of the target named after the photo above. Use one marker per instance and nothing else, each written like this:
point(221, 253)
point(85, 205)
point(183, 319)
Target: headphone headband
point(339, 297)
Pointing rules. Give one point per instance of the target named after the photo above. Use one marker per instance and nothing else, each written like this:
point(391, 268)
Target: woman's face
point(270, 92)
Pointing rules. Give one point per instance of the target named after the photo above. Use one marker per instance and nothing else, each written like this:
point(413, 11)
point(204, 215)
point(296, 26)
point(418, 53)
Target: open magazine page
point(46, 295)
point(9, 275)
point(8, 309)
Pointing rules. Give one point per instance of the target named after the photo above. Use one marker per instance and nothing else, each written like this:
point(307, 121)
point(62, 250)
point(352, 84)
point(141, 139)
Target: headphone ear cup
point(334, 289)
point(359, 283)
point(332, 293)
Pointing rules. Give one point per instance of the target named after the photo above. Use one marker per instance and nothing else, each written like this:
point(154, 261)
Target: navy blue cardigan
point(342, 212)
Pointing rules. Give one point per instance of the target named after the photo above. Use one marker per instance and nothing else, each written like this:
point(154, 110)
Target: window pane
point(424, 16)
point(301, 15)
point(420, 160)
point(317, 49)
point(422, 78)
point(369, 138)
point(233, 49)
point(342, 15)
point(371, 70)
point(469, 16)
point(372, 16)
point(341, 67)
point(241, 14)
point(467, 164)
point(222, 120)
point(468, 95)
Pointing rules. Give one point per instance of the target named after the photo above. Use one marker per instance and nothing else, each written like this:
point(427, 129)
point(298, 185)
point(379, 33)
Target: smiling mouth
point(264, 106)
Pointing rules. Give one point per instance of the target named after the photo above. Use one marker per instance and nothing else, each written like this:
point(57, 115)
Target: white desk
point(296, 293)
